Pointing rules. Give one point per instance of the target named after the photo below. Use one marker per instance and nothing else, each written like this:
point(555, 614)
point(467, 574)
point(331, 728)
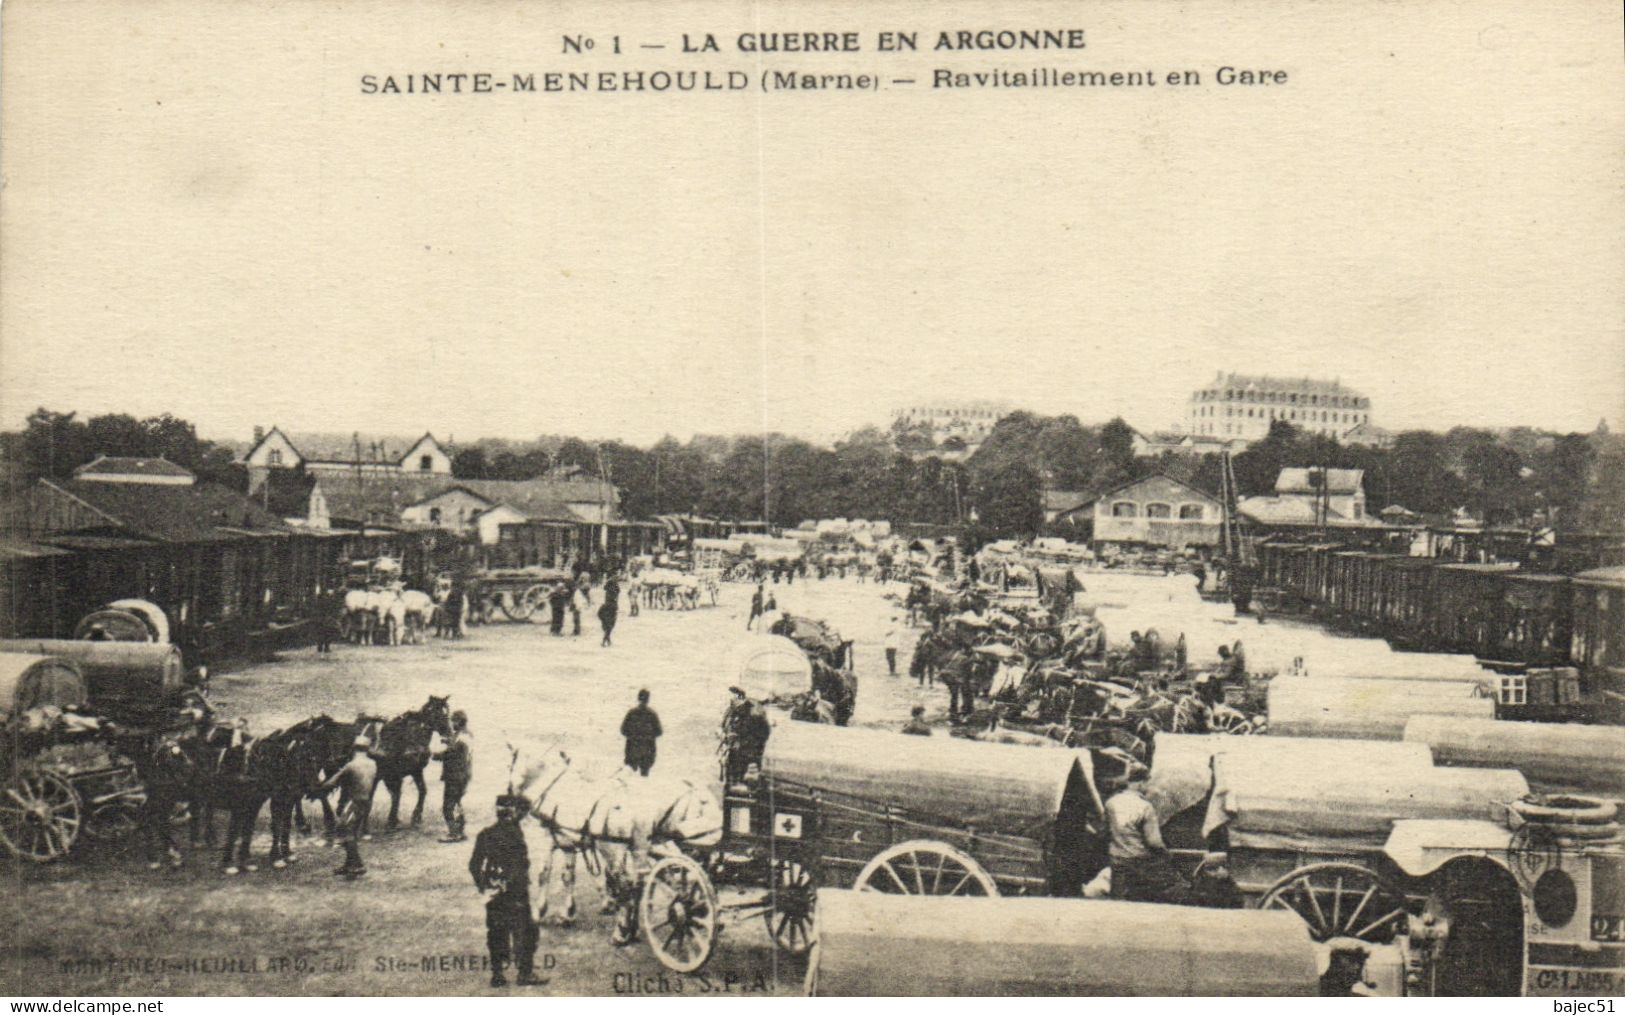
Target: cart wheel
point(1230, 720)
point(40, 815)
point(792, 913)
point(924, 867)
point(679, 914)
point(522, 605)
point(1341, 900)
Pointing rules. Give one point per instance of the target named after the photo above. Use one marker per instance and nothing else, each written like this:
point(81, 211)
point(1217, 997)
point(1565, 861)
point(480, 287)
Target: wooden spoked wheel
point(40, 815)
point(924, 867)
point(519, 605)
point(679, 914)
point(1341, 900)
point(1229, 720)
point(792, 910)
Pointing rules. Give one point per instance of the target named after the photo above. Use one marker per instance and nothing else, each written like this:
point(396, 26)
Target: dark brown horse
point(400, 746)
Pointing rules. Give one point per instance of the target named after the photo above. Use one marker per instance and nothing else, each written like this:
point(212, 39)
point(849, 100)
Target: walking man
point(501, 870)
point(355, 783)
point(641, 728)
point(755, 607)
point(610, 609)
point(890, 643)
point(456, 768)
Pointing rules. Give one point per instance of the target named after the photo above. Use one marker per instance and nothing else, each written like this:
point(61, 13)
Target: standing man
point(890, 643)
point(610, 609)
point(923, 661)
point(755, 606)
point(641, 728)
point(456, 768)
point(355, 783)
point(745, 732)
point(501, 869)
point(327, 624)
point(1139, 858)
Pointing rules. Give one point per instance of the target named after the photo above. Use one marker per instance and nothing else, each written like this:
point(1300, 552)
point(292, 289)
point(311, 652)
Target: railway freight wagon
point(1511, 620)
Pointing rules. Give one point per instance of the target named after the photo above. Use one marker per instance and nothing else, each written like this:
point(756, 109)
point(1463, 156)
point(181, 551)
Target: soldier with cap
point(745, 732)
point(500, 866)
point(355, 782)
point(456, 768)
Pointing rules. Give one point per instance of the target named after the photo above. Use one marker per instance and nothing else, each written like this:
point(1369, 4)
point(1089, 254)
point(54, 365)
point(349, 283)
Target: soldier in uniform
point(355, 783)
point(456, 768)
point(501, 870)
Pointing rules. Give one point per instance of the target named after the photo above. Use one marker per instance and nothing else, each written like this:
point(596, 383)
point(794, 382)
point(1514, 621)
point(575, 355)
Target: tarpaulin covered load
point(1351, 809)
point(36, 681)
point(1554, 757)
point(771, 667)
point(811, 635)
point(1182, 767)
point(140, 674)
point(871, 943)
point(1301, 706)
point(998, 788)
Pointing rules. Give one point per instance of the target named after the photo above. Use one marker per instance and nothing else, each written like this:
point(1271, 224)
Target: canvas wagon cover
point(1554, 757)
point(1351, 809)
point(35, 681)
point(1365, 709)
point(770, 666)
point(999, 788)
point(873, 943)
point(1182, 768)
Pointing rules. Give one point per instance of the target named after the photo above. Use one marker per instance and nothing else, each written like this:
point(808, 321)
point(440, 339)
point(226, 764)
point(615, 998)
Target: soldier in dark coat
point(641, 728)
point(456, 768)
point(746, 729)
point(501, 870)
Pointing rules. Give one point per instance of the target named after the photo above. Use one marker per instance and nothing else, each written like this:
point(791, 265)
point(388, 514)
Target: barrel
point(872, 943)
point(1366, 709)
point(1554, 757)
point(140, 674)
point(34, 681)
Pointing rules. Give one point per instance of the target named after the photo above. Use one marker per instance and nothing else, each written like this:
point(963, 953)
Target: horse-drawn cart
point(61, 776)
point(880, 812)
point(517, 592)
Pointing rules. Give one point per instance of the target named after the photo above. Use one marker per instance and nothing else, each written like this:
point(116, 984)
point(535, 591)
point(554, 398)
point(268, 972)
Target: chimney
point(259, 434)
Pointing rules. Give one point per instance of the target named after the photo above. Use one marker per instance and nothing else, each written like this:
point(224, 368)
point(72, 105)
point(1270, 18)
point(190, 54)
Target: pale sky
point(203, 215)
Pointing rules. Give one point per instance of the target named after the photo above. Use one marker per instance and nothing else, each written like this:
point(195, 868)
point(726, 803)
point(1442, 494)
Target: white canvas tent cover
point(1554, 757)
point(1306, 706)
point(765, 548)
point(771, 666)
point(1347, 809)
point(1182, 767)
point(873, 943)
point(999, 788)
point(733, 546)
point(35, 681)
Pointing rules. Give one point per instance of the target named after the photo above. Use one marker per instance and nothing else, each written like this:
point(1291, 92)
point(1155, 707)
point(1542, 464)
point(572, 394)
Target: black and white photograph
point(741, 499)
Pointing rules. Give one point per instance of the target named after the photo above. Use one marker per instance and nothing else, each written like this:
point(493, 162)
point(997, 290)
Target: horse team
point(394, 614)
point(214, 767)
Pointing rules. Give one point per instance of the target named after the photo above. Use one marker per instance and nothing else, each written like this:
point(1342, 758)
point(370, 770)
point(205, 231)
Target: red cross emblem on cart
point(787, 826)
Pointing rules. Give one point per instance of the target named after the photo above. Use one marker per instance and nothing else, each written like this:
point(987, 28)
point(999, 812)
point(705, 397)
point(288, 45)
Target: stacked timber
point(871, 943)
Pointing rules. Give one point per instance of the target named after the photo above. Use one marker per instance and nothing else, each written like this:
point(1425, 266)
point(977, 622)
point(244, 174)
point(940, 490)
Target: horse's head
point(436, 714)
point(534, 772)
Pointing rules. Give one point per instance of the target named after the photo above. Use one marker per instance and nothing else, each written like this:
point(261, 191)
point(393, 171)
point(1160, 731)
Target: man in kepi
point(355, 782)
point(456, 768)
point(501, 869)
point(641, 728)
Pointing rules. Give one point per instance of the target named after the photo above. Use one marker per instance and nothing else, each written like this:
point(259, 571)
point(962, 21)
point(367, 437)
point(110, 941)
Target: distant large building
point(1243, 406)
point(965, 423)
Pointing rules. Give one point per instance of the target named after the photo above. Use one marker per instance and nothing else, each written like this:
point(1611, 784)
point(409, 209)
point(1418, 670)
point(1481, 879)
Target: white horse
point(419, 608)
point(363, 607)
point(611, 824)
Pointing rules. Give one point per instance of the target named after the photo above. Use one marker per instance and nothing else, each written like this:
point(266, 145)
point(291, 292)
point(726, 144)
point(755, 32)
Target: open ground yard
point(101, 923)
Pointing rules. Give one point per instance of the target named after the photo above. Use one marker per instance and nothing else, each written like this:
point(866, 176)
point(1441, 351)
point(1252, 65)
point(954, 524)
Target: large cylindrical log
point(871, 943)
point(1554, 757)
point(119, 673)
point(1366, 709)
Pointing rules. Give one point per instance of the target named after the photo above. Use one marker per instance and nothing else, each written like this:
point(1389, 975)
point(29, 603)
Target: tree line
point(1573, 481)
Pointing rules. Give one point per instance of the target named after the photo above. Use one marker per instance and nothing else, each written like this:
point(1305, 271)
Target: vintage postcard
point(756, 499)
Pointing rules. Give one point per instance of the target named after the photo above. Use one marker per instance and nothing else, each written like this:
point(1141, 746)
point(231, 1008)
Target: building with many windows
point(955, 426)
point(1243, 406)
